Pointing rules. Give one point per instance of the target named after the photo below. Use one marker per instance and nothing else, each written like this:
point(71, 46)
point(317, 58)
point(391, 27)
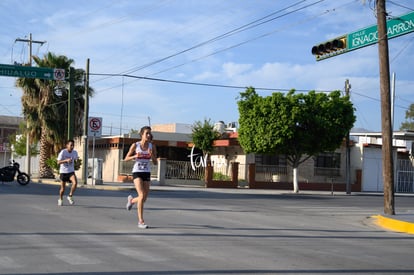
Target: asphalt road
point(198, 232)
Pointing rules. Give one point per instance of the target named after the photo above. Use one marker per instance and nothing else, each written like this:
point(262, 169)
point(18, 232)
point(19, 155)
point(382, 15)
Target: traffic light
point(330, 48)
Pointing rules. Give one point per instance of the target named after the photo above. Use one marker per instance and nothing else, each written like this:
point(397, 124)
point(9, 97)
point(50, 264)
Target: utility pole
point(387, 159)
point(348, 149)
point(71, 102)
point(30, 41)
point(85, 127)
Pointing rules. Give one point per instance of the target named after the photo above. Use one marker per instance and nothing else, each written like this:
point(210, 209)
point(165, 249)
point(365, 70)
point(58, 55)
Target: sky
point(197, 56)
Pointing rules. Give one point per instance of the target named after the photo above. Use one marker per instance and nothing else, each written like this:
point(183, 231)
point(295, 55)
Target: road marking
point(76, 259)
point(7, 262)
point(141, 255)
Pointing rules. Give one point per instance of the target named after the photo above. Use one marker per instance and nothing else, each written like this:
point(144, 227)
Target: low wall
point(311, 186)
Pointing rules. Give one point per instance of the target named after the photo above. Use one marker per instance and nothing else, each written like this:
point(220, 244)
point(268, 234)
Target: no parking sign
point(95, 126)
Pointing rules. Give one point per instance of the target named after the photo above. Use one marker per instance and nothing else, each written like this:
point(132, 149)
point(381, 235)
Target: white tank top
point(142, 161)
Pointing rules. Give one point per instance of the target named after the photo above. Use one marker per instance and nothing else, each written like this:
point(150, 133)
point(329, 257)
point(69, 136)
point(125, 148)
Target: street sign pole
point(94, 130)
point(71, 103)
point(85, 127)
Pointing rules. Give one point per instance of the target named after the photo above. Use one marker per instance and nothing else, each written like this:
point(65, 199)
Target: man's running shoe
point(71, 201)
point(129, 203)
point(60, 202)
point(142, 225)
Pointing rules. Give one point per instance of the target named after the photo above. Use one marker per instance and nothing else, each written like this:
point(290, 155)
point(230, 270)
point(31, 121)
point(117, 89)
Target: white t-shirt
point(142, 161)
point(67, 167)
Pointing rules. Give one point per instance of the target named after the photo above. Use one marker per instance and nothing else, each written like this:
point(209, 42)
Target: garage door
point(372, 170)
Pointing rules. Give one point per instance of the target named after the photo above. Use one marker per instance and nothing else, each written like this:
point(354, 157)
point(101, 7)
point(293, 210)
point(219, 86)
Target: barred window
point(271, 160)
point(276, 164)
point(327, 164)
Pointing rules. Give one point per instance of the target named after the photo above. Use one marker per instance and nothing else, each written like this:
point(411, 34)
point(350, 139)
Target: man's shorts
point(65, 177)
point(145, 176)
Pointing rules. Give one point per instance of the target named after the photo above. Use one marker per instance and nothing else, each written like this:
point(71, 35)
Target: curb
point(394, 225)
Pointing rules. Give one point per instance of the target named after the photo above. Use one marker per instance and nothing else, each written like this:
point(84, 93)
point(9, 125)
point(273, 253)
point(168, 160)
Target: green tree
point(18, 141)
point(408, 124)
point(46, 112)
point(297, 125)
point(203, 135)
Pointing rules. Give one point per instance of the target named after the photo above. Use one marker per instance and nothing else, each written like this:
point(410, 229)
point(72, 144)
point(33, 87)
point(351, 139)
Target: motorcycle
point(8, 174)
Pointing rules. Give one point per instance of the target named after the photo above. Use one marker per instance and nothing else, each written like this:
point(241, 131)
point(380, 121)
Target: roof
point(10, 120)
point(403, 135)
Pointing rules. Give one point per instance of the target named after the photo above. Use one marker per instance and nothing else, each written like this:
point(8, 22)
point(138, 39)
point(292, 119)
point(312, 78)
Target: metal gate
point(405, 176)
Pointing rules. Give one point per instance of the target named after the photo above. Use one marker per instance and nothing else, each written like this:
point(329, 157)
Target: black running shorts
point(145, 176)
point(65, 177)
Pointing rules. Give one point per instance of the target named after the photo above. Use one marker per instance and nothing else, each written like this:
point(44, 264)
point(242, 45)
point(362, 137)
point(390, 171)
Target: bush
point(53, 164)
point(220, 176)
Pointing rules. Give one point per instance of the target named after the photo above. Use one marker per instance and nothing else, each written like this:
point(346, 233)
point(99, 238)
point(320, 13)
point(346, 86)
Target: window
point(277, 164)
point(271, 160)
point(327, 164)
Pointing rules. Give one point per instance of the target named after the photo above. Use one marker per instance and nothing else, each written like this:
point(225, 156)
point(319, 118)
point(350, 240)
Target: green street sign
point(32, 72)
point(395, 27)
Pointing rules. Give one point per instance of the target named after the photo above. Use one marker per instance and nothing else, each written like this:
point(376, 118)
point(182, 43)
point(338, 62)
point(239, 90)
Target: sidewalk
point(401, 222)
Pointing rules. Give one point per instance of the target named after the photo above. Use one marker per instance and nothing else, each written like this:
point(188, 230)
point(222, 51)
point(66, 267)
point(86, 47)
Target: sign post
point(95, 130)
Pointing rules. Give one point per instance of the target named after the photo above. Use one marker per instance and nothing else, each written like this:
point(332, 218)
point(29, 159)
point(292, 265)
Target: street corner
point(394, 224)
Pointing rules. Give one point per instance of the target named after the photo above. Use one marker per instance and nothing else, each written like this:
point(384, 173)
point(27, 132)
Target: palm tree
point(46, 112)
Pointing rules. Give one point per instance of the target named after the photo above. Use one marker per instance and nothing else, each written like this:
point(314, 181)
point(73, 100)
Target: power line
point(243, 42)
point(249, 40)
point(377, 99)
point(245, 27)
point(246, 41)
point(400, 5)
point(192, 83)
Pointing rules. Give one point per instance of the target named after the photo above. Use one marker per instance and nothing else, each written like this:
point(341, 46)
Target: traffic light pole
point(387, 159)
point(380, 33)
